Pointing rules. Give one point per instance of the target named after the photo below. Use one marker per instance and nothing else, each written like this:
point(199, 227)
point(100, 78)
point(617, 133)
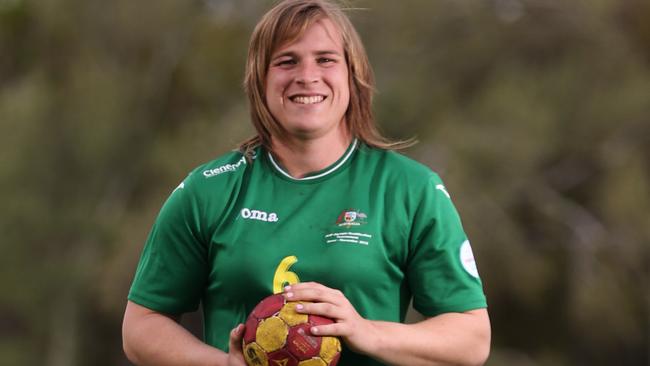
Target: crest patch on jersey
point(467, 259)
point(351, 217)
point(349, 228)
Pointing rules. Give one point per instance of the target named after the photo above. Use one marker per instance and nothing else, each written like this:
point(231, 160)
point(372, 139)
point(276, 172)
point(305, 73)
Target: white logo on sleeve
point(442, 188)
point(224, 168)
point(467, 259)
point(180, 186)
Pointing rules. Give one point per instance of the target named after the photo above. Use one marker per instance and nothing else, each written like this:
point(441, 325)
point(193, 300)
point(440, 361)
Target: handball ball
point(276, 335)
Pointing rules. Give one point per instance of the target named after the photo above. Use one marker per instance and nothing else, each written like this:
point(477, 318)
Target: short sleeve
point(172, 271)
point(441, 271)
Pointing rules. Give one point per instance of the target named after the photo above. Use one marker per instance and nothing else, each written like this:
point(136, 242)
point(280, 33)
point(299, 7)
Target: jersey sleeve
point(441, 269)
point(172, 271)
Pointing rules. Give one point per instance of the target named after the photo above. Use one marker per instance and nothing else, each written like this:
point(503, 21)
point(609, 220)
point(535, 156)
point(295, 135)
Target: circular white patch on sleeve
point(467, 259)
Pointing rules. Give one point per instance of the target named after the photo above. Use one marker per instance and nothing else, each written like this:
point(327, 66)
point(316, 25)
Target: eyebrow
point(317, 53)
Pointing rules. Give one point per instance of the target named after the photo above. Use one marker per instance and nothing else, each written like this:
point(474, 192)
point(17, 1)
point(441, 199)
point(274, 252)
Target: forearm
point(154, 339)
point(448, 339)
point(458, 339)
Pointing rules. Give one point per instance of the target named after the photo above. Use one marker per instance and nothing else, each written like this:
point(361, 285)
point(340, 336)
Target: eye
point(286, 62)
point(325, 60)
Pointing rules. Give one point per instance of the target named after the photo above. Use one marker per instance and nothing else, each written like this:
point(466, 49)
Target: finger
point(335, 329)
point(314, 293)
point(236, 336)
point(306, 285)
point(321, 308)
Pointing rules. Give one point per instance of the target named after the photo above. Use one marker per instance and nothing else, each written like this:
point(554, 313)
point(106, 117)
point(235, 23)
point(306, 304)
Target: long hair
point(285, 23)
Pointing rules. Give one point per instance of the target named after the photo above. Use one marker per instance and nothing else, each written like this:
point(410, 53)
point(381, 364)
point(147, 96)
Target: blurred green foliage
point(535, 112)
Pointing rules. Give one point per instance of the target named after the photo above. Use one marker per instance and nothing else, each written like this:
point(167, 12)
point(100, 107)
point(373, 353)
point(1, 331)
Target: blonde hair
point(285, 23)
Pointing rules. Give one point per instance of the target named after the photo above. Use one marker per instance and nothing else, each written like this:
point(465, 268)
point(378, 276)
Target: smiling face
point(307, 89)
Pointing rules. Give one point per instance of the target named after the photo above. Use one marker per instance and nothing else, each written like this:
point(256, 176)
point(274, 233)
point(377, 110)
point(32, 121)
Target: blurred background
point(536, 113)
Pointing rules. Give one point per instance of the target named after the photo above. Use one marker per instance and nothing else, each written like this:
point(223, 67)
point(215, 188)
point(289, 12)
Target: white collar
point(328, 171)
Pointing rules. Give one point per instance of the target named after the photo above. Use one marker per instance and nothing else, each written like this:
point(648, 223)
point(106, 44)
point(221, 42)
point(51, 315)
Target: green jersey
point(376, 225)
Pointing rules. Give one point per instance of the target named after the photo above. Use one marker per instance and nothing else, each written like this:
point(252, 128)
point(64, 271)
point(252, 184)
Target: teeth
point(308, 100)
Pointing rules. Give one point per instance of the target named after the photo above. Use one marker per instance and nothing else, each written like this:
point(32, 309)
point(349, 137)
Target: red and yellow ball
point(277, 335)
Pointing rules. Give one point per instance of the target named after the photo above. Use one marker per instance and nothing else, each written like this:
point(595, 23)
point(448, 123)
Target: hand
point(357, 332)
point(235, 355)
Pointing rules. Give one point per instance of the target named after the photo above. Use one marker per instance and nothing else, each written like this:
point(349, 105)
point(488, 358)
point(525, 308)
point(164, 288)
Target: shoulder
point(406, 179)
point(220, 172)
point(231, 162)
point(208, 191)
point(396, 165)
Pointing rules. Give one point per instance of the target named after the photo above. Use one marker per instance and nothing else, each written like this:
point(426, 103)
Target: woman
point(316, 206)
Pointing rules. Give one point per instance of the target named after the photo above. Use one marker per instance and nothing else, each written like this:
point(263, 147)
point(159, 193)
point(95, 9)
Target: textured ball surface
point(276, 335)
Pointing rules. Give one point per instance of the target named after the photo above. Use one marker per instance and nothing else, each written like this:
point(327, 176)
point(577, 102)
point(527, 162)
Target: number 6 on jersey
point(283, 276)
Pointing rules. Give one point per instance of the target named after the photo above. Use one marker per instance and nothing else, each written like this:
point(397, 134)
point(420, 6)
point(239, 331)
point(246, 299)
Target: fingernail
point(287, 288)
point(299, 307)
point(314, 330)
point(289, 294)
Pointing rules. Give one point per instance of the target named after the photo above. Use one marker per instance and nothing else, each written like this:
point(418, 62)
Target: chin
point(305, 128)
point(304, 134)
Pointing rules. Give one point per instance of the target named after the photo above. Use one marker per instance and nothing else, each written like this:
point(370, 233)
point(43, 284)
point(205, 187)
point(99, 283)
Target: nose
point(308, 73)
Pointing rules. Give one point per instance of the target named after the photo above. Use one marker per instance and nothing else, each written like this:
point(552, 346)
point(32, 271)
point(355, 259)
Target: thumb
point(236, 336)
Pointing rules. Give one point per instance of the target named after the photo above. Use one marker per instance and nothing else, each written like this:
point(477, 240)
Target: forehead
point(320, 32)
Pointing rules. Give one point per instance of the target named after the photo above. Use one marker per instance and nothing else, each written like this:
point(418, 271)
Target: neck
point(301, 157)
